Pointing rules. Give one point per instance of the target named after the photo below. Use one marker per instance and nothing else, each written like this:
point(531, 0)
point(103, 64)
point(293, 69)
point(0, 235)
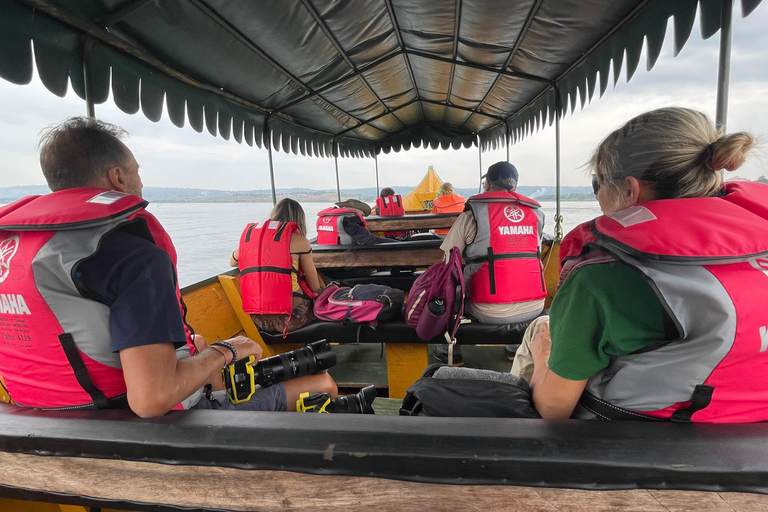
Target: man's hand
point(156, 381)
point(246, 347)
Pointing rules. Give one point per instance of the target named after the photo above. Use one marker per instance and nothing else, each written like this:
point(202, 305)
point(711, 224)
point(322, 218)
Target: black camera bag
point(472, 394)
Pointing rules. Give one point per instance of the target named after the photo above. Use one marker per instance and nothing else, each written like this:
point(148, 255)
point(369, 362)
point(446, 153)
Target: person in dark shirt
point(136, 279)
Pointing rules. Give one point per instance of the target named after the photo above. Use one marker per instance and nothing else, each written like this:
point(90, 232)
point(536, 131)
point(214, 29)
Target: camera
point(359, 403)
point(241, 378)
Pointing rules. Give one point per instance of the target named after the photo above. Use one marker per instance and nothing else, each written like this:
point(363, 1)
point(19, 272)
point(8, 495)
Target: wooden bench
point(381, 256)
point(411, 222)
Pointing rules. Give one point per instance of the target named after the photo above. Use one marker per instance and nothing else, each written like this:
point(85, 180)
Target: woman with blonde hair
point(277, 275)
point(661, 311)
point(446, 201)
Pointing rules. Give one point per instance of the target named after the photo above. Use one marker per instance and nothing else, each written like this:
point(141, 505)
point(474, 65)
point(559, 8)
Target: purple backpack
point(433, 307)
point(362, 303)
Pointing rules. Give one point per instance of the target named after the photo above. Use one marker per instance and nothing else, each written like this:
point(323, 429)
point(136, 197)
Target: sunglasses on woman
point(595, 184)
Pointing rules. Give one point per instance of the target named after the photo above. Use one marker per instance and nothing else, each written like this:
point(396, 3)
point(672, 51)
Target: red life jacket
point(330, 230)
point(503, 264)
point(266, 266)
point(56, 351)
point(707, 261)
point(451, 203)
point(391, 206)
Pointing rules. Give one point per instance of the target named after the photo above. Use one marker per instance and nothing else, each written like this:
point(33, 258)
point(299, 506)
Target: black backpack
point(468, 392)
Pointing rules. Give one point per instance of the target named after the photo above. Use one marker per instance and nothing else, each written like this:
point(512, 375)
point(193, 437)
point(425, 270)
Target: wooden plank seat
point(379, 256)
point(411, 222)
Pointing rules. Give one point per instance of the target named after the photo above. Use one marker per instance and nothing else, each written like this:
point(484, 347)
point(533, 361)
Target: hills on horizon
point(368, 194)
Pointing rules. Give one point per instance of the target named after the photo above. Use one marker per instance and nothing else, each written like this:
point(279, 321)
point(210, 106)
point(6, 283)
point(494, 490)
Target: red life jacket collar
point(700, 218)
point(52, 212)
point(505, 196)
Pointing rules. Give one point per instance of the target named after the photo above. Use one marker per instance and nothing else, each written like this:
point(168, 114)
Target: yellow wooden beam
point(231, 287)
point(405, 364)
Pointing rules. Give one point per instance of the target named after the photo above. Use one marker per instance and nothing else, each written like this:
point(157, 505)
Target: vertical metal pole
point(376, 160)
point(506, 139)
point(724, 66)
point(90, 107)
point(558, 216)
point(480, 163)
point(271, 167)
point(336, 162)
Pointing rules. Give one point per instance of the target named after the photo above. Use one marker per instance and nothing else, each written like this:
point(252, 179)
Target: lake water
point(205, 234)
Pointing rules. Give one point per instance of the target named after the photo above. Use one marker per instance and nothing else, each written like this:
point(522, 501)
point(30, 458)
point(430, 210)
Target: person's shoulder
point(299, 243)
point(125, 244)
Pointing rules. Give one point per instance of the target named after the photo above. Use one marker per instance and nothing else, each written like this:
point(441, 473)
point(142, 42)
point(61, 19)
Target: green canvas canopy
point(353, 77)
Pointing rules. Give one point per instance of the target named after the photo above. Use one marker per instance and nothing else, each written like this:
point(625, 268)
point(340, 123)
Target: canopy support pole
point(90, 106)
point(724, 66)
point(506, 139)
point(558, 216)
point(336, 163)
point(376, 161)
point(480, 163)
point(271, 167)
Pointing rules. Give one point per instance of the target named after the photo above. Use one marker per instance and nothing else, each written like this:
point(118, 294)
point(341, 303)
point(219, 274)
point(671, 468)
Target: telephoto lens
point(314, 358)
point(359, 403)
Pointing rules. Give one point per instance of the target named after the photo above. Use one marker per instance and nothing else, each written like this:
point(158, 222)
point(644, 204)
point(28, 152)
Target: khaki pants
point(522, 365)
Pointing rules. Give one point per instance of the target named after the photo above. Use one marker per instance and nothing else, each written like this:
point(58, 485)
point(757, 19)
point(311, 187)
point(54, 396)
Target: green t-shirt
point(603, 311)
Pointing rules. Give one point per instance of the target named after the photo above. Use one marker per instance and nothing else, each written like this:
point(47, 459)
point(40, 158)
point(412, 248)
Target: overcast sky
point(173, 157)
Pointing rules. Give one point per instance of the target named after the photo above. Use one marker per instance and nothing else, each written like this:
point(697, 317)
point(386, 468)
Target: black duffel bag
point(448, 391)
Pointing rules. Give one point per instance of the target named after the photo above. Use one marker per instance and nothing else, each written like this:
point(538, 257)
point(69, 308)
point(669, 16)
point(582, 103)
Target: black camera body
point(241, 378)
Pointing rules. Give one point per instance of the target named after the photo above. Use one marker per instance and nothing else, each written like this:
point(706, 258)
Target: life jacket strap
point(700, 399)
point(98, 398)
point(607, 411)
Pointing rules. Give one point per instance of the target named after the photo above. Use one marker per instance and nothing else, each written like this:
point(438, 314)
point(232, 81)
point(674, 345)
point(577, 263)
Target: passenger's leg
point(522, 365)
point(321, 383)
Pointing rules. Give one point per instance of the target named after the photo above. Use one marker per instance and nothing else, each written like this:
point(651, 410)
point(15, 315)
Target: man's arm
point(156, 381)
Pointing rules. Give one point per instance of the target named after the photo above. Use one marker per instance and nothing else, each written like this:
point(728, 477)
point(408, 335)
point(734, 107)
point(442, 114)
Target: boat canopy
point(351, 78)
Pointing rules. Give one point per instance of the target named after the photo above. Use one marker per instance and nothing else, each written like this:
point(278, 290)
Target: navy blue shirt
point(136, 279)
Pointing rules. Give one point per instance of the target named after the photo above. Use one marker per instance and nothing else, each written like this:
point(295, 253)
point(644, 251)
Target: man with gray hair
point(97, 320)
point(499, 236)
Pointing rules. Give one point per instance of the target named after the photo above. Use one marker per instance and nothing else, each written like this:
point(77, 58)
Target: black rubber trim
point(505, 256)
point(277, 270)
point(464, 451)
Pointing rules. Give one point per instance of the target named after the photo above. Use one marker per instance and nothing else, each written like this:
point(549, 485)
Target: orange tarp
point(420, 199)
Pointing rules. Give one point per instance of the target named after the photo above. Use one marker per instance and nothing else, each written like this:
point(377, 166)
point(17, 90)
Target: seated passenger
point(446, 201)
point(500, 238)
point(345, 224)
point(277, 275)
point(388, 204)
point(92, 276)
point(662, 307)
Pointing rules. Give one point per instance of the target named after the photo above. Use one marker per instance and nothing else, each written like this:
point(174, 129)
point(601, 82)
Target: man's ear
point(632, 191)
point(117, 179)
